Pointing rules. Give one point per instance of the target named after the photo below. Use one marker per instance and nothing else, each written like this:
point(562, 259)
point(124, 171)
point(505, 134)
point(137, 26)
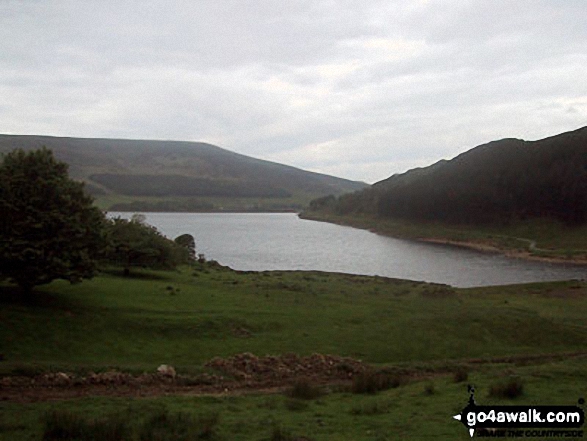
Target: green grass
point(187, 317)
point(185, 320)
point(404, 413)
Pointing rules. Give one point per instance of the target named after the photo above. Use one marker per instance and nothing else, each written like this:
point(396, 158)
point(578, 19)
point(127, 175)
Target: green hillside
point(139, 175)
point(240, 340)
point(508, 188)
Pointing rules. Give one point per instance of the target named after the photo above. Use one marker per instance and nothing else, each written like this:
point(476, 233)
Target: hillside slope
point(496, 183)
point(181, 176)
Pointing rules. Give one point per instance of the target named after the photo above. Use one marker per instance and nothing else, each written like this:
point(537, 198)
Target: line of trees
point(50, 229)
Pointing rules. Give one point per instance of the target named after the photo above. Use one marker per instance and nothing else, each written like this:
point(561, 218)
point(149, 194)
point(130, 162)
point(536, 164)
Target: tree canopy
point(49, 227)
point(189, 243)
point(133, 243)
point(501, 182)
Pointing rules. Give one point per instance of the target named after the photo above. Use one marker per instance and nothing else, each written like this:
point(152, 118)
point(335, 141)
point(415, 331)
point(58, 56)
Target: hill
point(498, 182)
point(496, 187)
point(143, 175)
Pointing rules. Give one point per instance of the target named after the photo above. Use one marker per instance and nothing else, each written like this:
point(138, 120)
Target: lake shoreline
point(270, 241)
point(481, 246)
point(516, 254)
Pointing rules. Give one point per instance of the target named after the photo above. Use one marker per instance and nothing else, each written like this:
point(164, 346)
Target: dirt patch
point(489, 247)
point(233, 375)
point(286, 368)
point(240, 374)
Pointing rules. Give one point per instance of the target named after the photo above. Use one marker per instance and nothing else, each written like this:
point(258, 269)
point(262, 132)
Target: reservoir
point(282, 241)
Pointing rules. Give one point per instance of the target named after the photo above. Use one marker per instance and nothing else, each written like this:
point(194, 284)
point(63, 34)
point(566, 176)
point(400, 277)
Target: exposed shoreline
point(484, 247)
point(487, 248)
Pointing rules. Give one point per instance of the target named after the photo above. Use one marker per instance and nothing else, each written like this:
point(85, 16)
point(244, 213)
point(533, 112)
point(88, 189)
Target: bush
point(296, 405)
point(280, 434)
point(67, 426)
point(461, 375)
point(510, 389)
point(304, 390)
point(136, 244)
point(164, 426)
point(371, 382)
point(372, 408)
point(430, 389)
point(188, 242)
point(160, 426)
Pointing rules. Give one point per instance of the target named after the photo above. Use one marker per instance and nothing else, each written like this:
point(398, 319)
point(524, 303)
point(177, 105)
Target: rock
point(166, 371)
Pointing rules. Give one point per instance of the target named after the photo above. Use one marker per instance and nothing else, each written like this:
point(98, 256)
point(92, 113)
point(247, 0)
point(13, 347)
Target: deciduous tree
point(49, 227)
point(134, 243)
point(188, 242)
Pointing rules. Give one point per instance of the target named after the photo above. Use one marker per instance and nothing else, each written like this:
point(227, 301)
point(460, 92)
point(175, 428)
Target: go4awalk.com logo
point(522, 421)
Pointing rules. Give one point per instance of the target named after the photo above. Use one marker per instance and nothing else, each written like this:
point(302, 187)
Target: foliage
point(189, 243)
point(159, 426)
point(370, 382)
point(49, 228)
point(164, 426)
point(133, 243)
point(511, 388)
point(323, 202)
point(461, 375)
point(69, 426)
point(303, 389)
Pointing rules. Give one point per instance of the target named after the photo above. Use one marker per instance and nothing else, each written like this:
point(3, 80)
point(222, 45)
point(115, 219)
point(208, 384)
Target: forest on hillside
point(495, 183)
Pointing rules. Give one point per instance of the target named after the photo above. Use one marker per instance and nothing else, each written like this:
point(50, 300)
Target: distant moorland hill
point(500, 182)
point(135, 175)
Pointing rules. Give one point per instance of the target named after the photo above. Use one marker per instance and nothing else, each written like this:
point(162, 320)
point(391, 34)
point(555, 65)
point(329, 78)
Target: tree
point(188, 242)
point(133, 243)
point(49, 228)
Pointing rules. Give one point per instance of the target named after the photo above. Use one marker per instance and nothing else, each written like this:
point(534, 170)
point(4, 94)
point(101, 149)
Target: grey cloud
point(346, 86)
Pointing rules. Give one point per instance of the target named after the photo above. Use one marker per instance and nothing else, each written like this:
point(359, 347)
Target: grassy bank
point(538, 239)
point(186, 318)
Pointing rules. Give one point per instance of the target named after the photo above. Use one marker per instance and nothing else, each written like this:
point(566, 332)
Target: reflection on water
point(261, 241)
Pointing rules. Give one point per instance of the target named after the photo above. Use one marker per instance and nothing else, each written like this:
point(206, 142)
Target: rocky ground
point(237, 374)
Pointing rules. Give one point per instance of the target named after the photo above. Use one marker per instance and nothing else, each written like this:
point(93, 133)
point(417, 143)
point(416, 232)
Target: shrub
point(163, 426)
point(296, 405)
point(429, 389)
point(510, 389)
point(371, 382)
point(304, 390)
point(68, 426)
point(133, 243)
point(461, 375)
point(372, 408)
point(280, 434)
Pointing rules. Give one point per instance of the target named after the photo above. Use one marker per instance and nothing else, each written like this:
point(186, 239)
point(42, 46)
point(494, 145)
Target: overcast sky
point(356, 89)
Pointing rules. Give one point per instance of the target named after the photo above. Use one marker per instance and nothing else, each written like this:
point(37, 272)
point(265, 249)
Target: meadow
point(439, 338)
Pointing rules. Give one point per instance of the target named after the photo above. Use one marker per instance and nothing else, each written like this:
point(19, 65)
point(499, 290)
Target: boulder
point(166, 371)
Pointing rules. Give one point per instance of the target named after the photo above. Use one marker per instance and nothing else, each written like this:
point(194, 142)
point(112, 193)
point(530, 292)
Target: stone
point(166, 371)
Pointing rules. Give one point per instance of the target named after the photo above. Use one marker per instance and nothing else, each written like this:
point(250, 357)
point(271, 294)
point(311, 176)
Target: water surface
point(263, 241)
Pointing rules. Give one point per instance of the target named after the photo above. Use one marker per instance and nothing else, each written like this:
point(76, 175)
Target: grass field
point(186, 318)
point(178, 203)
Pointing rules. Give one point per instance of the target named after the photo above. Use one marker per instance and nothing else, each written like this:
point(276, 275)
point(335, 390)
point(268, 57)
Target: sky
point(356, 89)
